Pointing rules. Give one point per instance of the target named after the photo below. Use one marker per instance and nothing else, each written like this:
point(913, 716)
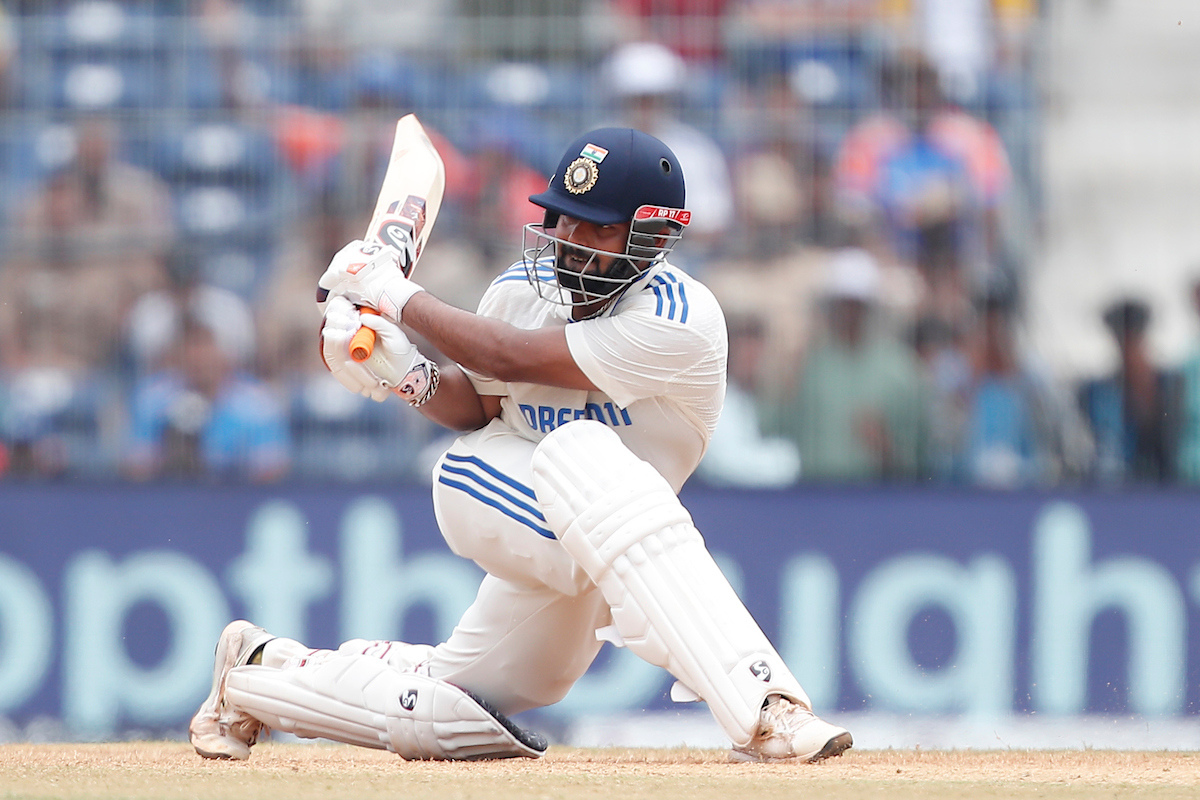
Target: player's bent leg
point(361, 700)
point(620, 519)
point(487, 511)
point(522, 647)
point(223, 729)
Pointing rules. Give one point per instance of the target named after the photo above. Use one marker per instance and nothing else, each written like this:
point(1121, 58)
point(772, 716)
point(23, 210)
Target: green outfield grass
point(145, 770)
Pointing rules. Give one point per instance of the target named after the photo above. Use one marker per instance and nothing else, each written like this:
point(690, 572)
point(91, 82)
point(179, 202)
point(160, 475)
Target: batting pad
point(361, 700)
point(619, 518)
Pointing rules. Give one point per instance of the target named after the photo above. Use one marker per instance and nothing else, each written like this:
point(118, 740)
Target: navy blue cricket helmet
point(606, 175)
point(609, 176)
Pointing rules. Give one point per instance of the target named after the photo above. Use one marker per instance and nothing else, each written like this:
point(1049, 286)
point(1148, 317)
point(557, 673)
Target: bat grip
point(362, 345)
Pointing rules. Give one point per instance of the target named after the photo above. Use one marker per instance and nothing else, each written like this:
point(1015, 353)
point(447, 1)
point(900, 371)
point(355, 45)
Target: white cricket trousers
point(531, 632)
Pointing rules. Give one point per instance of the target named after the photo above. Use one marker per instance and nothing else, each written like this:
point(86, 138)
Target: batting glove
point(399, 364)
point(340, 324)
point(369, 274)
point(394, 367)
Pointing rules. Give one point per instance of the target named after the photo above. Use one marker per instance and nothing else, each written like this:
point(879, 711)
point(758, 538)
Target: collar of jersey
point(633, 288)
point(641, 283)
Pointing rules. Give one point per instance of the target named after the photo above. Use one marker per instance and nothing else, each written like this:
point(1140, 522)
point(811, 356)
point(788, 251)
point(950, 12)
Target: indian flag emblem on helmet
point(593, 152)
point(581, 175)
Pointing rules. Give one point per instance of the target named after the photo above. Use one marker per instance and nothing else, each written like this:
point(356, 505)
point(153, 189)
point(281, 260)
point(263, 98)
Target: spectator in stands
point(779, 173)
point(157, 319)
point(1016, 427)
point(91, 240)
point(739, 454)
point(930, 179)
point(856, 410)
point(1189, 435)
point(969, 41)
point(200, 417)
point(1134, 412)
point(945, 371)
point(647, 81)
point(83, 247)
point(502, 181)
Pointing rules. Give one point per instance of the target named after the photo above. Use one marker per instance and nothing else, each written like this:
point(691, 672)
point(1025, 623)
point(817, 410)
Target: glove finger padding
point(341, 315)
point(340, 325)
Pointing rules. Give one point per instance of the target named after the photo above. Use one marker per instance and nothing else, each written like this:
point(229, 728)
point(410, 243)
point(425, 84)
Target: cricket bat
point(407, 207)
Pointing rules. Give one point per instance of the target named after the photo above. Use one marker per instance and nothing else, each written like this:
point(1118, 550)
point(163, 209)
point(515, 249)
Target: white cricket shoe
point(216, 730)
point(788, 730)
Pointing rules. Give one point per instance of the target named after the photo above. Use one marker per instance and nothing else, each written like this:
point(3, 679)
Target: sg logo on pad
point(761, 670)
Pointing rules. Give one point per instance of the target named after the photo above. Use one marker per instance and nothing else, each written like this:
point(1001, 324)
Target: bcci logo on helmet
point(581, 176)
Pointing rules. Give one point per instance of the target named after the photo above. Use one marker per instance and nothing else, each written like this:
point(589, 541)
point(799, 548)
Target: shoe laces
point(782, 715)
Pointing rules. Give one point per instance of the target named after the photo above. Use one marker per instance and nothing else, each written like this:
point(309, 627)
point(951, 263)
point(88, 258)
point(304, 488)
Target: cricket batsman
point(586, 388)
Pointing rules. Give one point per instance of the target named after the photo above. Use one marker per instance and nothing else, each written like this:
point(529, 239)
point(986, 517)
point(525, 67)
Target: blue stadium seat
point(389, 79)
point(95, 29)
point(61, 419)
point(29, 153)
point(216, 152)
point(115, 83)
point(231, 197)
point(233, 232)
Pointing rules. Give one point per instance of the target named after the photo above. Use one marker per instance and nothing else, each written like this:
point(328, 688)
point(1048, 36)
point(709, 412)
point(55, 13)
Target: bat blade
point(408, 204)
point(411, 194)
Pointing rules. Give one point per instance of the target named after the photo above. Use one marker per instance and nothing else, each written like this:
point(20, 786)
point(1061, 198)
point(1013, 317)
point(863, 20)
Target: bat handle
point(363, 342)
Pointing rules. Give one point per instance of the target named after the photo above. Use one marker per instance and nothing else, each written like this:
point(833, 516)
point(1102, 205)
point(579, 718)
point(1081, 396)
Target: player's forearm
point(494, 348)
point(470, 340)
point(456, 405)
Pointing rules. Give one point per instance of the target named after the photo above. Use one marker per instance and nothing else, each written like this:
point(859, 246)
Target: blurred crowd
point(863, 176)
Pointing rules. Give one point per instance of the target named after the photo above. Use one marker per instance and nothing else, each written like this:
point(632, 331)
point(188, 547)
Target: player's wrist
point(420, 384)
point(394, 295)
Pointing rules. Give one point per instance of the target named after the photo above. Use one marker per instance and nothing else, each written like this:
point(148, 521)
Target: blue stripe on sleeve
point(658, 311)
point(664, 287)
point(518, 273)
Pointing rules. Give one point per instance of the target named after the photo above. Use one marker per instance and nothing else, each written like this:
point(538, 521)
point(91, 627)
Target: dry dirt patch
point(324, 772)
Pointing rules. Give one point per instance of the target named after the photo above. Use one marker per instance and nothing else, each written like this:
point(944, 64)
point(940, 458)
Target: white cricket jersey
point(658, 357)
